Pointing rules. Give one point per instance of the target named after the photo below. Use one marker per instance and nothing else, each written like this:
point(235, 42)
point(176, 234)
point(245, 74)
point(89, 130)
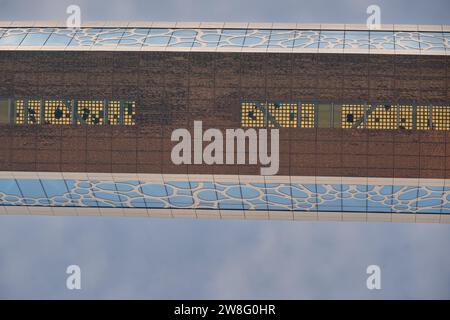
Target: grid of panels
point(61, 112)
point(251, 116)
point(423, 118)
point(27, 111)
point(90, 112)
point(226, 37)
point(114, 112)
point(232, 194)
point(441, 118)
point(405, 117)
point(284, 113)
point(57, 112)
point(129, 113)
point(307, 115)
point(351, 113)
point(383, 117)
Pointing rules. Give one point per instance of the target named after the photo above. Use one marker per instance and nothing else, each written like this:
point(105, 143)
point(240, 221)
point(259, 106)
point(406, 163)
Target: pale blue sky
point(179, 258)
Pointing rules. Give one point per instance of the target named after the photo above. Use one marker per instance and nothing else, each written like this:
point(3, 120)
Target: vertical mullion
point(105, 111)
point(316, 115)
point(11, 111)
point(74, 111)
point(414, 117)
point(25, 110)
point(122, 112)
point(41, 112)
point(430, 116)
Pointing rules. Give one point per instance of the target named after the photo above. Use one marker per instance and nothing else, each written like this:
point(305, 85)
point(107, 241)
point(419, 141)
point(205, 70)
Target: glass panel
point(10, 39)
point(35, 39)
point(431, 41)
point(324, 116)
point(54, 187)
point(31, 188)
point(332, 39)
point(382, 40)
point(183, 38)
point(282, 39)
point(407, 41)
point(208, 37)
point(158, 37)
point(134, 37)
point(57, 39)
point(337, 116)
point(257, 38)
point(232, 38)
point(307, 39)
point(109, 37)
point(10, 189)
point(357, 40)
point(85, 37)
point(4, 111)
point(447, 40)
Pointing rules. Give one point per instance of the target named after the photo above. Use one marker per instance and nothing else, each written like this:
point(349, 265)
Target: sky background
point(215, 259)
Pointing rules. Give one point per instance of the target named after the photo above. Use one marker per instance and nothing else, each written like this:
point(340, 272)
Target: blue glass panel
point(208, 38)
point(11, 39)
point(307, 39)
point(382, 40)
point(331, 39)
point(357, 39)
point(159, 41)
point(184, 33)
point(134, 37)
point(35, 39)
point(431, 41)
point(257, 38)
point(447, 40)
point(109, 37)
point(183, 38)
point(31, 188)
point(282, 39)
point(58, 40)
point(232, 38)
point(9, 187)
point(54, 187)
point(85, 37)
point(407, 41)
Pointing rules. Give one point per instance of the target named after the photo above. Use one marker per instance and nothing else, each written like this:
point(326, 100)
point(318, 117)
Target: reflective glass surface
point(232, 38)
point(226, 195)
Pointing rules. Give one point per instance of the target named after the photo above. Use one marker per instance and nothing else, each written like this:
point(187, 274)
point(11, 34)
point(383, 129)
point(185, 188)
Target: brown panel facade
point(173, 89)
